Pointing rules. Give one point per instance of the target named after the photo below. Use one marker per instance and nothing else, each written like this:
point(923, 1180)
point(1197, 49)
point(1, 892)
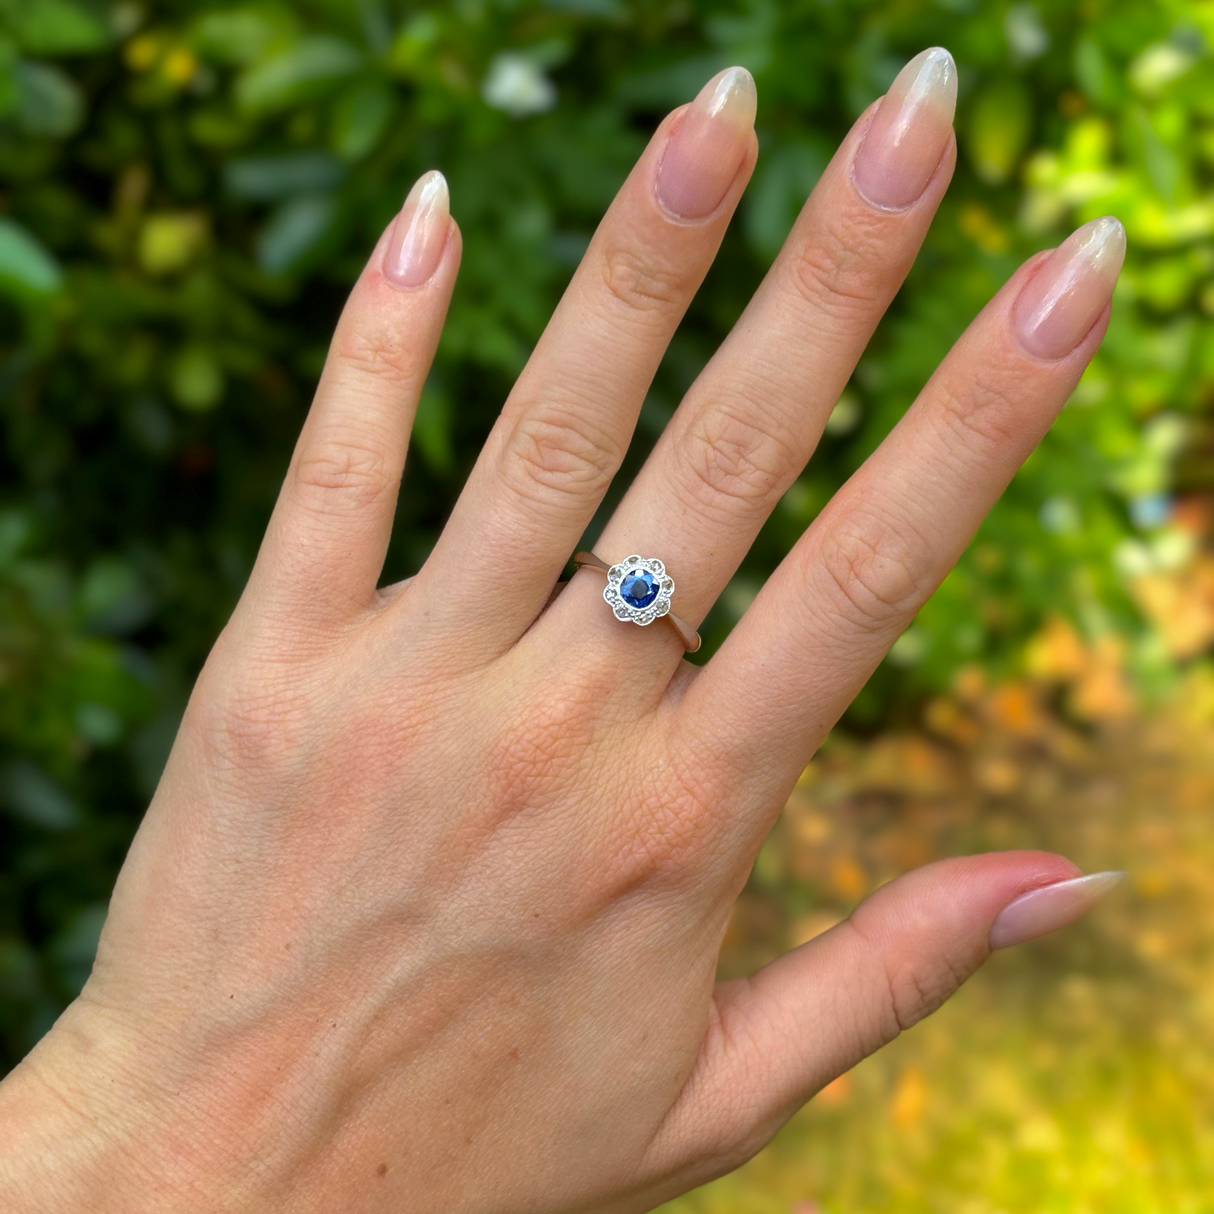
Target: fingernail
point(1062, 301)
point(708, 145)
point(1050, 907)
point(420, 232)
point(909, 132)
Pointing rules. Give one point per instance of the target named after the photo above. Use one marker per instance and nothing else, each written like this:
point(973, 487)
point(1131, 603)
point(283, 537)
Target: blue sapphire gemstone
point(639, 589)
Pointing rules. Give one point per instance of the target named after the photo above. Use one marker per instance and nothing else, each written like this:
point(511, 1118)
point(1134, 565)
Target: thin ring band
point(687, 634)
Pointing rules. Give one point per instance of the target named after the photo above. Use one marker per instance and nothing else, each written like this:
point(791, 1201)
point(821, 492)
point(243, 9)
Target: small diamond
point(639, 589)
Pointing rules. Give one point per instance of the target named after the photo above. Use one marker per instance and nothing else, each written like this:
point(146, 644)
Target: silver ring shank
point(687, 634)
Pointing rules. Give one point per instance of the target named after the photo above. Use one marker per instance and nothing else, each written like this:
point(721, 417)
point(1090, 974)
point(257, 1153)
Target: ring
point(639, 589)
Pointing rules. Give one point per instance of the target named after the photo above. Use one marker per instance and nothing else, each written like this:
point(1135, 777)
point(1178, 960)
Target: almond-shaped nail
point(1058, 306)
point(1050, 907)
point(909, 132)
point(708, 145)
point(420, 232)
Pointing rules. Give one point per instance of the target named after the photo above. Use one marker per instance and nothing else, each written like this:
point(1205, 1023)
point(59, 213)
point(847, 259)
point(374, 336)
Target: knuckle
point(668, 839)
point(553, 449)
point(732, 462)
point(754, 1137)
point(532, 757)
point(913, 993)
point(841, 276)
point(344, 470)
point(908, 989)
point(254, 726)
point(641, 282)
point(376, 355)
point(659, 844)
point(734, 1140)
point(984, 414)
point(868, 573)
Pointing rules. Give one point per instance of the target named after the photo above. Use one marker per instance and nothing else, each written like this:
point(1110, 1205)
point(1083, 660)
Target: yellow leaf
point(1057, 651)
point(997, 775)
point(810, 926)
point(909, 1100)
point(848, 878)
point(1014, 707)
point(837, 1091)
point(180, 65)
point(142, 52)
point(976, 222)
point(168, 242)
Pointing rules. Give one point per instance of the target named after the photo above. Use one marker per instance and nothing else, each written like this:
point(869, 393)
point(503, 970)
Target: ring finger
point(753, 417)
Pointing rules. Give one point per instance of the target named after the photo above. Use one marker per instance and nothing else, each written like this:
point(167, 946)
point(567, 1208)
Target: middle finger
point(564, 429)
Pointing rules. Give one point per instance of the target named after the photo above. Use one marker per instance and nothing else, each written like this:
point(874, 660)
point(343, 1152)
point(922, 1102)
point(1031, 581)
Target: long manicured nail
point(909, 131)
point(708, 145)
point(420, 233)
point(1064, 298)
point(1050, 907)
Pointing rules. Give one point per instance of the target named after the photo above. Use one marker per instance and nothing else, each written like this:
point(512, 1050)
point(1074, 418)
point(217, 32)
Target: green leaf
point(30, 795)
point(49, 102)
point(75, 949)
point(360, 118)
point(1163, 165)
point(239, 35)
point(16, 527)
point(296, 233)
point(10, 91)
point(308, 69)
point(1159, 65)
point(19, 977)
point(26, 267)
point(268, 178)
point(112, 599)
point(432, 430)
point(169, 242)
point(1094, 73)
point(671, 84)
point(196, 379)
point(781, 185)
point(98, 723)
point(59, 27)
point(607, 10)
point(1000, 121)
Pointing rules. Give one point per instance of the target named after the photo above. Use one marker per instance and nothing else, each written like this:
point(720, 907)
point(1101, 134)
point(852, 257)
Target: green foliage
point(26, 268)
point(190, 188)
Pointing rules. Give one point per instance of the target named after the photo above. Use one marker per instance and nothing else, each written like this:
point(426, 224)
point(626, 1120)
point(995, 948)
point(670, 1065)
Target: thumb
point(779, 1037)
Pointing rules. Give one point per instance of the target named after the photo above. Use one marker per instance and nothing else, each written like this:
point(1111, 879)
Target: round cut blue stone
point(639, 589)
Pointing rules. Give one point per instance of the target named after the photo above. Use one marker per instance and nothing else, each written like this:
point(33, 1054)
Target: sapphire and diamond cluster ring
point(638, 590)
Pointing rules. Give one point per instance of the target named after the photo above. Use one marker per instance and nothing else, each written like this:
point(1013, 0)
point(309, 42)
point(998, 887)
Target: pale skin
point(426, 910)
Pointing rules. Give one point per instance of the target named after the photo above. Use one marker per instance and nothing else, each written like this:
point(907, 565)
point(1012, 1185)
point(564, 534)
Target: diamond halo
point(638, 589)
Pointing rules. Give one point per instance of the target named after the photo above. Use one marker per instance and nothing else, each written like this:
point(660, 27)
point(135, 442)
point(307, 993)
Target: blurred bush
point(187, 190)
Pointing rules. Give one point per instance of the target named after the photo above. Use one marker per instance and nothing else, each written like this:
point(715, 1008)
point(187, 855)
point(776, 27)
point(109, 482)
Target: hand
point(425, 912)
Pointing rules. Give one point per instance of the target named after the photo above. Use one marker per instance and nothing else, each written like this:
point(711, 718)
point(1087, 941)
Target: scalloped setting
point(638, 589)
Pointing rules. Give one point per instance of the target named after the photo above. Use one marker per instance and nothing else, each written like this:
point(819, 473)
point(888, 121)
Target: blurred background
point(187, 191)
